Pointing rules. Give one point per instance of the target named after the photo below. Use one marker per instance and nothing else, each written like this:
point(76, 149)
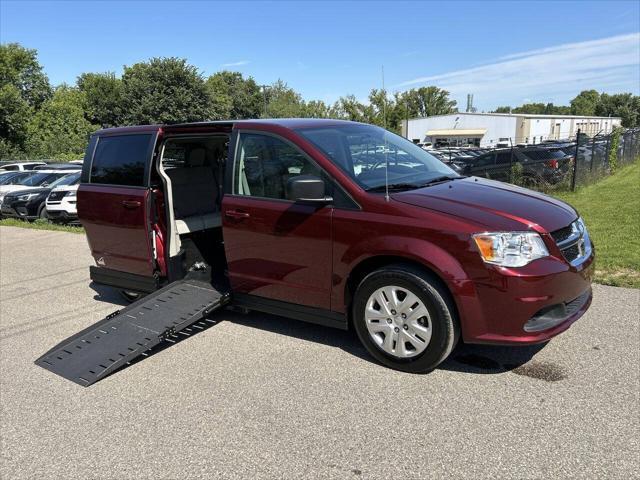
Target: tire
point(437, 329)
point(130, 296)
point(42, 214)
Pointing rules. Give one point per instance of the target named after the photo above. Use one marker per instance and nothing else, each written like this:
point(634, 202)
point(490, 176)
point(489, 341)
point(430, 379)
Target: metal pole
point(593, 151)
point(575, 163)
point(406, 103)
point(264, 98)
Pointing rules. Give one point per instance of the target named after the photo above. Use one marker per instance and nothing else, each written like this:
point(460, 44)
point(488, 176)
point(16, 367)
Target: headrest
point(197, 157)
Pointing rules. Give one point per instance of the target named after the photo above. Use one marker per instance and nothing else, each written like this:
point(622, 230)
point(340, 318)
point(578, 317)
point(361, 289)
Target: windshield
point(40, 179)
point(70, 179)
point(11, 178)
point(363, 152)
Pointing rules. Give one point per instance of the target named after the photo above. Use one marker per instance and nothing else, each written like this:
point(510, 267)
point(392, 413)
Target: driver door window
point(265, 164)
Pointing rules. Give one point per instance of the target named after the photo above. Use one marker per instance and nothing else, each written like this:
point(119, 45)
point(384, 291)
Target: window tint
point(265, 164)
point(121, 160)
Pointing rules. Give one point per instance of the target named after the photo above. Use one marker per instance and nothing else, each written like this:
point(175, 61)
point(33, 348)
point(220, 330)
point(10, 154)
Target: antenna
point(386, 147)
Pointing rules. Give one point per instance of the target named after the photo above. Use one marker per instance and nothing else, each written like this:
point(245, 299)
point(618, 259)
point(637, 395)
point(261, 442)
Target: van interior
point(192, 172)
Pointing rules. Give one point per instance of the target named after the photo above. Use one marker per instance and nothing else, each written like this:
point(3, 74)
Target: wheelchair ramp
point(106, 346)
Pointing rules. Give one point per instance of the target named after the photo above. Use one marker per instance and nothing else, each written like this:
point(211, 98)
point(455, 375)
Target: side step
point(99, 350)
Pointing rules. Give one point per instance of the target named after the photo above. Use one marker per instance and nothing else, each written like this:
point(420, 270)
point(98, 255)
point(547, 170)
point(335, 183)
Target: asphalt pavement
point(259, 396)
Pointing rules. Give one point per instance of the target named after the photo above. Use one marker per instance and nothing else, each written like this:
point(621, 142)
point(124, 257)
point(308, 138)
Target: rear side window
point(121, 160)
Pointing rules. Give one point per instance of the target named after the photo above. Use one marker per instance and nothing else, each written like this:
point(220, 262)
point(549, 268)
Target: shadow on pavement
point(478, 359)
point(107, 294)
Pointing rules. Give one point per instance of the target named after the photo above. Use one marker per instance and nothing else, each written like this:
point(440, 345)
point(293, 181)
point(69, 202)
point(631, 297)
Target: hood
point(25, 190)
point(12, 188)
point(495, 205)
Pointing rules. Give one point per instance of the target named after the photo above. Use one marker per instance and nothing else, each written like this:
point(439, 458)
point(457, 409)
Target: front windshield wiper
point(393, 186)
point(441, 179)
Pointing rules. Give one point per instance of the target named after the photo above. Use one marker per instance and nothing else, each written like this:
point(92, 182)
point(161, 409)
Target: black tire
point(436, 299)
point(131, 296)
point(42, 213)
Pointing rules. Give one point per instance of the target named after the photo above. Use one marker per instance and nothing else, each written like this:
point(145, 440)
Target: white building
point(491, 129)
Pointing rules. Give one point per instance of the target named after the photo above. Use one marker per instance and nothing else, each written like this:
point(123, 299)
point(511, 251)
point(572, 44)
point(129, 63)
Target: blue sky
point(505, 53)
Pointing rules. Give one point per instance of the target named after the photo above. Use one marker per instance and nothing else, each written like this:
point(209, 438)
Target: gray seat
point(195, 194)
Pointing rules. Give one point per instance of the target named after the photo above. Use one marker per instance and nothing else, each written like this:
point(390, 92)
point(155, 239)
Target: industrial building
point(502, 129)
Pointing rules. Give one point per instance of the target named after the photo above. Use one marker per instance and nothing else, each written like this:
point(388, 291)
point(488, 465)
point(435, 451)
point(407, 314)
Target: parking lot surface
point(259, 396)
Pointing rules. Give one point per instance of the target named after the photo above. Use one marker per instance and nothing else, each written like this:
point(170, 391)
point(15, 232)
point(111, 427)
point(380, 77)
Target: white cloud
point(235, 64)
point(554, 73)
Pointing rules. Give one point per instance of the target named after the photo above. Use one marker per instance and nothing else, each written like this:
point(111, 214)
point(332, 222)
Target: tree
point(428, 101)
point(531, 108)
point(164, 90)
point(14, 116)
point(103, 92)
point(59, 128)
point(19, 67)
point(283, 101)
point(233, 96)
point(349, 108)
point(318, 109)
point(585, 103)
point(502, 110)
point(624, 105)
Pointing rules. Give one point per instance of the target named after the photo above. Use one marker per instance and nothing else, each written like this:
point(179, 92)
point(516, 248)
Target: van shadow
point(108, 294)
point(475, 359)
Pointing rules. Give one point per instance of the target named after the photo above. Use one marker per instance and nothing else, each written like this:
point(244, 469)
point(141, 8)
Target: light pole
point(264, 99)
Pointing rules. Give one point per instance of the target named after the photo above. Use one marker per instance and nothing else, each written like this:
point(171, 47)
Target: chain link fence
point(550, 166)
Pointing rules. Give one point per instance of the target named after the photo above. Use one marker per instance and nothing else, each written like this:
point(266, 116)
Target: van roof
point(291, 123)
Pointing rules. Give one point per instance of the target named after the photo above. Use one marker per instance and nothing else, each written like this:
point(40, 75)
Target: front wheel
point(405, 319)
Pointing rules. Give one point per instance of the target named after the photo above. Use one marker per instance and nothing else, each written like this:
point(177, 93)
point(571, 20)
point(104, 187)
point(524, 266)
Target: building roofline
point(529, 115)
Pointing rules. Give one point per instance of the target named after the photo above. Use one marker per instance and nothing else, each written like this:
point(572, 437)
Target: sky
point(505, 53)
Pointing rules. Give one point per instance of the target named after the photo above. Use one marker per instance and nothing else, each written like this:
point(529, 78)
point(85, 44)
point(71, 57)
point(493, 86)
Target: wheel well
point(369, 265)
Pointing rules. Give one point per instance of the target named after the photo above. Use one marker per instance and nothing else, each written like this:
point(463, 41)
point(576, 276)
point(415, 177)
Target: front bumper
point(505, 304)
point(20, 209)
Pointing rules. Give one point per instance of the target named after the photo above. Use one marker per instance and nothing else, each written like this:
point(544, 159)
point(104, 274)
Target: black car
point(539, 165)
point(30, 203)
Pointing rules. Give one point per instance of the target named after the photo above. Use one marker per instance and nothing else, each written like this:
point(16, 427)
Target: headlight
point(70, 194)
point(510, 249)
point(27, 196)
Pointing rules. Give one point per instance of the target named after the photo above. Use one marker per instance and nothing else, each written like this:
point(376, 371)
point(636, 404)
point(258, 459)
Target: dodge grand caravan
point(337, 223)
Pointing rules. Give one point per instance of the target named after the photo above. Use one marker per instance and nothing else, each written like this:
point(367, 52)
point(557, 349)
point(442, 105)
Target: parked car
point(59, 166)
point(30, 203)
point(9, 165)
point(34, 178)
point(61, 202)
point(408, 253)
point(13, 176)
point(539, 165)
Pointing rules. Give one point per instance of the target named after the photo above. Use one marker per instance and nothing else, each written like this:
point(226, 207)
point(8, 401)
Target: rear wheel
point(43, 213)
point(405, 319)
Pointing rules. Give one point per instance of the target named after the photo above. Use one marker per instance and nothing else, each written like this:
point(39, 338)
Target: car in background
point(539, 165)
point(20, 166)
point(35, 178)
point(30, 203)
point(59, 166)
point(12, 176)
point(61, 202)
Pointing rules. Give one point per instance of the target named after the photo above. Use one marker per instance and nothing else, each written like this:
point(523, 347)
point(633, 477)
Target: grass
point(40, 225)
point(611, 210)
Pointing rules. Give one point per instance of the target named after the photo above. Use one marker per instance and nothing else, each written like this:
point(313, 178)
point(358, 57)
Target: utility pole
point(264, 99)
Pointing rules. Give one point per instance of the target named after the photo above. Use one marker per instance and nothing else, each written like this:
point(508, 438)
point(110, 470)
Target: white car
point(10, 166)
point(61, 202)
point(37, 178)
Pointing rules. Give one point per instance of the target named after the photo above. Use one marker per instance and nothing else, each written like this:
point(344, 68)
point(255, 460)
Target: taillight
point(552, 163)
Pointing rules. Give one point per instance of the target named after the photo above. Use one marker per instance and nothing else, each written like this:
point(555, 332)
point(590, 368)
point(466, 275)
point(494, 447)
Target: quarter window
point(265, 164)
point(121, 160)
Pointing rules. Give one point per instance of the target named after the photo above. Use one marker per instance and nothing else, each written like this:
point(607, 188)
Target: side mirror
point(307, 189)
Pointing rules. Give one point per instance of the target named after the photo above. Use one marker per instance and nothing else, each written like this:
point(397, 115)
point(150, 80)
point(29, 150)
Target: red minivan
point(337, 223)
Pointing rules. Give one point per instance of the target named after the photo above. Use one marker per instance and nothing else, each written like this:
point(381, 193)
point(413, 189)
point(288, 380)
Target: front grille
point(562, 234)
point(56, 196)
point(573, 241)
point(577, 303)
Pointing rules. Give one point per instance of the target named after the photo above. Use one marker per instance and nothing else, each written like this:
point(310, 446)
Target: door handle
point(131, 203)
point(236, 214)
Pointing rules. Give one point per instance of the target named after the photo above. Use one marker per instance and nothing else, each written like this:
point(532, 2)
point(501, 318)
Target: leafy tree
point(283, 101)
point(318, 109)
point(349, 108)
point(103, 92)
point(531, 108)
point(14, 116)
point(585, 103)
point(233, 96)
point(502, 110)
point(624, 105)
point(19, 67)
point(59, 128)
point(428, 101)
point(164, 90)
